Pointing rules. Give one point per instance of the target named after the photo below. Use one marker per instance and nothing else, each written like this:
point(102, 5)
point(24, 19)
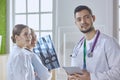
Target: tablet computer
point(72, 70)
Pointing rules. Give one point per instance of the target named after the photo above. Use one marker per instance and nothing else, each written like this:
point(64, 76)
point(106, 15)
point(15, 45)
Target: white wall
point(3, 63)
point(103, 9)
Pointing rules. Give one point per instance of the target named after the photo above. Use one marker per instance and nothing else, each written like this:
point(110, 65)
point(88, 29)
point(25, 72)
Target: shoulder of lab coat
point(18, 66)
point(112, 51)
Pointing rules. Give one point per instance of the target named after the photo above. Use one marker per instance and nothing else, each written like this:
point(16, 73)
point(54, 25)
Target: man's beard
point(89, 30)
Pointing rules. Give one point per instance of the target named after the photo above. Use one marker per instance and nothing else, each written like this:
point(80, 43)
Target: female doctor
point(41, 72)
point(19, 66)
point(97, 54)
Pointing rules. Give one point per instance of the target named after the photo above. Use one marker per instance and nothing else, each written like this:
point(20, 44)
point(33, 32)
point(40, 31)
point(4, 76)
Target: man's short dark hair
point(82, 7)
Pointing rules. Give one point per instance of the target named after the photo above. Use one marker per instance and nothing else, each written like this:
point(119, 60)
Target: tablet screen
point(72, 70)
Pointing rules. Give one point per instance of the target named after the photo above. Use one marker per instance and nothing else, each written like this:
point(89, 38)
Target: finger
point(72, 77)
point(77, 74)
point(84, 71)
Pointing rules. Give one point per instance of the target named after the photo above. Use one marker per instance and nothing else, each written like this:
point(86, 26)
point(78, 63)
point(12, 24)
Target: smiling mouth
point(84, 27)
point(84, 24)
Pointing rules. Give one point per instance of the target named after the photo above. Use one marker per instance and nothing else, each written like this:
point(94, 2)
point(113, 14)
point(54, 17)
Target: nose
point(30, 37)
point(83, 20)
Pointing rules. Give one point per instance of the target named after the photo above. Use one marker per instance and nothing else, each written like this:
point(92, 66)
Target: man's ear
point(93, 16)
point(75, 22)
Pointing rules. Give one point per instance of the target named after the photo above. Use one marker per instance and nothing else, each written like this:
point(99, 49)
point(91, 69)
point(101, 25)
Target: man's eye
point(78, 19)
point(87, 17)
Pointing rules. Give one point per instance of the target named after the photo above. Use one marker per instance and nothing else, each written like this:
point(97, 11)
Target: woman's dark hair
point(82, 7)
point(17, 30)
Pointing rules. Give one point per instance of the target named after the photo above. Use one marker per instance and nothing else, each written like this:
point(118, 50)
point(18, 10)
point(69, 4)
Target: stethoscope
point(77, 47)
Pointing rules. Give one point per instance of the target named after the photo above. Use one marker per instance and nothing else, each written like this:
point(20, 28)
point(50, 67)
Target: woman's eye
point(26, 34)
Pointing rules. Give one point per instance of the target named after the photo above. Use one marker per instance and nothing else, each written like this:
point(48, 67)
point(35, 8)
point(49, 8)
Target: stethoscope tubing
point(90, 54)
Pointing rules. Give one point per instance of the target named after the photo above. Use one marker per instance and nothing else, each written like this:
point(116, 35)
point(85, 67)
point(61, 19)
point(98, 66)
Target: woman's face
point(24, 38)
point(33, 40)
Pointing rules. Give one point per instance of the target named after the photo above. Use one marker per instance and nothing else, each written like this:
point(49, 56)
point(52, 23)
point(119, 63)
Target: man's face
point(84, 20)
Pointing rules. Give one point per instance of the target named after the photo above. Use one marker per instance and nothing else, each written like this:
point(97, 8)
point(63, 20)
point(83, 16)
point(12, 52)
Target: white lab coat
point(40, 69)
point(105, 63)
point(19, 66)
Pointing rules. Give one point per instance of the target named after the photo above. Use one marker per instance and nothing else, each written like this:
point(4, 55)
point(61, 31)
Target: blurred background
point(54, 17)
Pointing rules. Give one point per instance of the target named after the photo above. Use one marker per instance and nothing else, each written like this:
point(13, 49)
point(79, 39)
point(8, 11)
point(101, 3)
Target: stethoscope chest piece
point(90, 54)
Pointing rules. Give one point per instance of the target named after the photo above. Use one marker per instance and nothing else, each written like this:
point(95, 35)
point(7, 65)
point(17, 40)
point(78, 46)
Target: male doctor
point(97, 54)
